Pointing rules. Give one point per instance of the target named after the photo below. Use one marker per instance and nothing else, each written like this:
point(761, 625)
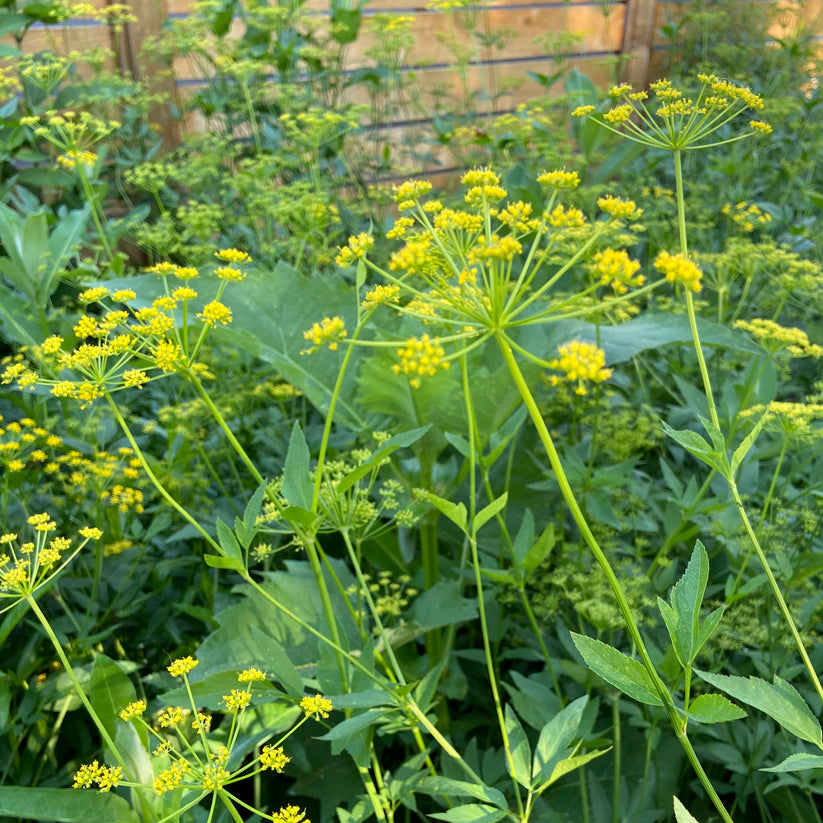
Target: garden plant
point(332, 495)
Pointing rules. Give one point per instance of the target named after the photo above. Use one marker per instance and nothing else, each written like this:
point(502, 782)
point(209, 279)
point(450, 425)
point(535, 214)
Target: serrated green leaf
point(215, 561)
point(520, 764)
point(228, 542)
point(797, 763)
point(748, 441)
point(695, 445)
point(252, 511)
point(446, 786)
point(714, 708)
point(569, 764)
point(779, 700)
point(470, 813)
point(682, 616)
point(485, 514)
point(681, 814)
point(618, 669)
point(555, 738)
point(456, 512)
point(297, 485)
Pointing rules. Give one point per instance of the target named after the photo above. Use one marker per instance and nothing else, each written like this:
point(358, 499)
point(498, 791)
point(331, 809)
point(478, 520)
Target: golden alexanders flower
point(580, 363)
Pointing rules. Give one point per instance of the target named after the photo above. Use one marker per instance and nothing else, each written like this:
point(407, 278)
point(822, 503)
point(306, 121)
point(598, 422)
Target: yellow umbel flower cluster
point(617, 269)
point(329, 331)
point(775, 337)
point(421, 357)
point(747, 215)
point(679, 270)
point(580, 363)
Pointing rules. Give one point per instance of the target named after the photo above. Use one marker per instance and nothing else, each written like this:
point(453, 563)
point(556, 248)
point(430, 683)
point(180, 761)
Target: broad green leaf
point(555, 738)
point(618, 669)
point(110, 690)
point(519, 764)
point(470, 813)
point(62, 242)
point(228, 542)
point(65, 805)
point(780, 700)
point(210, 692)
point(355, 734)
point(485, 514)
point(442, 605)
point(797, 762)
point(540, 550)
point(460, 788)
point(681, 815)
point(682, 616)
point(714, 708)
point(366, 699)
point(275, 662)
point(297, 484)
point(456, 512)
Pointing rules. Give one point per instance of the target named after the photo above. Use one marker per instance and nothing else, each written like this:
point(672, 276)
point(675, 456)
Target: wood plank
point(638, 37)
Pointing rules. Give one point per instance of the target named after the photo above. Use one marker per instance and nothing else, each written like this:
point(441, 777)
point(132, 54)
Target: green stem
point(773, 584)
point(154, 479)
point(617, 765)
point(478, 582)
point(44, 622)
point(614, 584)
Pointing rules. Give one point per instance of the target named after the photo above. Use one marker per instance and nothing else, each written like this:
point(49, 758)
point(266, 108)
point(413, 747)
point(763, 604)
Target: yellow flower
point(679, 270)
point(251, 675)
point(237, 700)
point(214, 313)
point(135, 709)
point(421, 356)
point(617, 270)
point(329, 330)
point(232, 256)
point(619, 208)
point(559, 179)
point(274, 758)
point(170, 717)
point(317, 706)
point(380, 295)
point(181, 666)
point(290, 814)
point(581, 362)
point(229, 273)
point(355, 249)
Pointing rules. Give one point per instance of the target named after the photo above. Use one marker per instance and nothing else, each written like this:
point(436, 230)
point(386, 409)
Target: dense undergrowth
point(326, 497)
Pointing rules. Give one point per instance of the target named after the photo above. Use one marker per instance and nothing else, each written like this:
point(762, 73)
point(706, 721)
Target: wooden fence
point(605, 30)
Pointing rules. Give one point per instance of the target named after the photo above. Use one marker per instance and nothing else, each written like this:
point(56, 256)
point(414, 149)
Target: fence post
point(638, 35)
point(146, 67)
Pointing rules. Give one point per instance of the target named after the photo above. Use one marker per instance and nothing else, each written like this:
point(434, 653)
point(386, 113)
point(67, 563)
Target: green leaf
point(485, 514)
point(215, 561)
point(252, 512)
point(695, 445)
point(555, 738)
point(442, 605)
point(748, 441)
point(425, 690)
point(228, 542)
point(456, 512)
point(471, 813)
point(779, 700)
point(682, 616)
point(797, 763)
point(520, 764)
point(714, 708)
point(65, 805)
point(399, 441)
point(569, 764)
point(446, 786)
point(616, 668)
point(275, 662)
point(540, 550)
point(110, 690)
point(680, 813)
point(297, 485)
